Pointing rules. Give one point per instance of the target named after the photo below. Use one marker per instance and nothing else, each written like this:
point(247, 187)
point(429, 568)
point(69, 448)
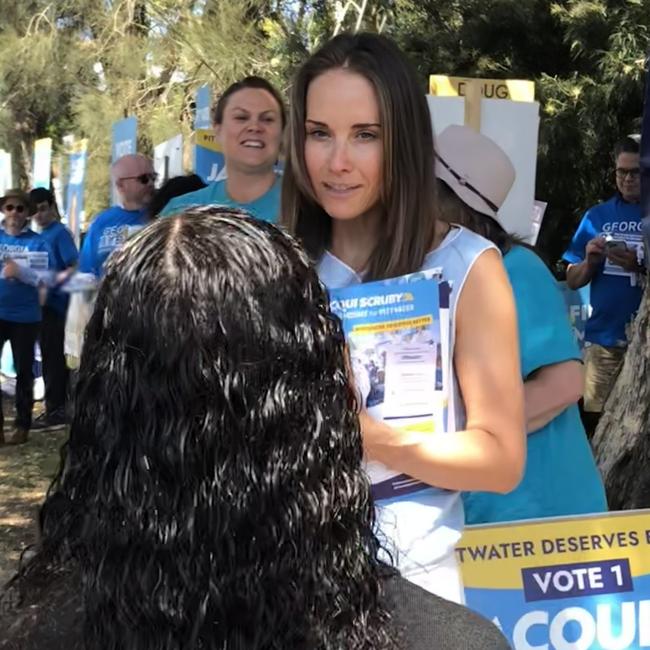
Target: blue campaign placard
point(566, 583)
point(124, 142)
point(74, 204)
point(202, 111)
point(578, 302)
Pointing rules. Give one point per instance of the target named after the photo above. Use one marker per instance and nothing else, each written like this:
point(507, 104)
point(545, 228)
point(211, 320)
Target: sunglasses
point(462, 181)
point(10, 207)
point(142, 178)
point(621, 172)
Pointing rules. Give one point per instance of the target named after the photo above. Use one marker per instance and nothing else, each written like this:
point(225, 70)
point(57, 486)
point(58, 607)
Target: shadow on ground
point(25, 474)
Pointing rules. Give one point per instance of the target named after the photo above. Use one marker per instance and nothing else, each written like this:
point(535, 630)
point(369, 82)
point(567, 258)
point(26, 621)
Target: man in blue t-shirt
point(22, 254)
point(134, 178)
point(607, 251)
point(64, 261)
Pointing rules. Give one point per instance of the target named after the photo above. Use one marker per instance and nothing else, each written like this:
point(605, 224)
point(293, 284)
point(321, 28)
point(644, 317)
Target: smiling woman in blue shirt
point(249, 120)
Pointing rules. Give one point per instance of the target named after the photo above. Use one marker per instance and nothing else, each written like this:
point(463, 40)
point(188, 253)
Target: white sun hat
point(475, 168)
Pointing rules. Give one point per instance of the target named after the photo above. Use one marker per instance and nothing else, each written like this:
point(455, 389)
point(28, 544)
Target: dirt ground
point(25, 474)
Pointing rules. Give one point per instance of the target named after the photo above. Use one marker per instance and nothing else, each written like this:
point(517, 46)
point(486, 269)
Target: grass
point(25, 474)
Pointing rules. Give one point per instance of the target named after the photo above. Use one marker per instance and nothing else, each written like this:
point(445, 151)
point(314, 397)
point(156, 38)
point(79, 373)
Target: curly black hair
point(212, 494)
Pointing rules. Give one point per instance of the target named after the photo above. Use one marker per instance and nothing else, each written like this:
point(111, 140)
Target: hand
point(11, 270)
point(595, 251)
point(624, 258)
point(381, 441)
point(61, 277)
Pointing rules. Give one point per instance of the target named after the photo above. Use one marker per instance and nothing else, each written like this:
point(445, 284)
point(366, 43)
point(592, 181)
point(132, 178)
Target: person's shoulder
point(603, 210)
point(37, 240)
point(62, 231)
point(460, 244)
point(521, 259)
point(203, 196)
point(104, 217)
point(426, 621)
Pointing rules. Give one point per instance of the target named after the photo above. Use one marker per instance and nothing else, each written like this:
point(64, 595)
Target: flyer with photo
point(394, 334)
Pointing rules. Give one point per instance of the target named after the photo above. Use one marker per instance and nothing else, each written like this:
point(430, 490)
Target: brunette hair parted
point(408, 194)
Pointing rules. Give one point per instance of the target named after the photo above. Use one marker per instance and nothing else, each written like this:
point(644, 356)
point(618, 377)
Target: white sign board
point(168, 159)
point(514, 126)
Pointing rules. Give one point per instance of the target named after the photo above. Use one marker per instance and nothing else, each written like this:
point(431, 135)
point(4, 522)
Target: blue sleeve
point(545, 334)
point(67, 248)
point(88, 255)
point(587, 230)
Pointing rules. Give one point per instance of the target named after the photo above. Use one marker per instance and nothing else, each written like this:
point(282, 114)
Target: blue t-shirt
point(561, 476)
point(614, 298)
point(18, 300)
point(266, 208)
point(64, 255)
point(109, 230)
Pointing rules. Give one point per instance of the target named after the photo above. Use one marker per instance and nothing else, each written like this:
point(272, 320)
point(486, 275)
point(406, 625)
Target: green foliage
point(586, 58)
point(75, 66)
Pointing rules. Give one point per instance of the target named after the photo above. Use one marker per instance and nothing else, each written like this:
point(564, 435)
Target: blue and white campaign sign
point(42, 163)
point(74, 203)
point(578, 303)
point(568, 583)
point(202, 113)
point(125, 141)
point(6, 175)
point(209, 162)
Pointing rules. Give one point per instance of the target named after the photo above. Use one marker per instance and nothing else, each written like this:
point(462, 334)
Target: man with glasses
point(607, 251)
point(22, 253)
point(134, 179)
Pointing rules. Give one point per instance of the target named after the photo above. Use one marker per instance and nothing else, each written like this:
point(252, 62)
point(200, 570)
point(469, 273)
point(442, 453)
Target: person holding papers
point(249, 120)
point(359, 191)
point(22, 251)
point(561, 476)
point(64, 261)
point(212, 495)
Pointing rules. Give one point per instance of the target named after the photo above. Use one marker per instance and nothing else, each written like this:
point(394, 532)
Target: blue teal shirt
point(109, 230)
point(561, 476)
point(614, 300)
point(64, 255)
point(266, 208)
point(18, 300)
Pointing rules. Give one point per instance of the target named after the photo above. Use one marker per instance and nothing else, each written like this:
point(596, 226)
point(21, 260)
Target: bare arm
point(550, 391)
point(489, 455)
point(580, 275)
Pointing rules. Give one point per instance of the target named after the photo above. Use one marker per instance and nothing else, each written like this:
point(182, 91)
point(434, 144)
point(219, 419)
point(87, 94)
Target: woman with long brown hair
point(359, 191)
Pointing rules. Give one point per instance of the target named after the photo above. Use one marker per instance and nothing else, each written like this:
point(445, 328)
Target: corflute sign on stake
point(578, 583)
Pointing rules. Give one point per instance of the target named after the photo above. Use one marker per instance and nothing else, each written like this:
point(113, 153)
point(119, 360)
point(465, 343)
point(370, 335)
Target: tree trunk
point(622, 439)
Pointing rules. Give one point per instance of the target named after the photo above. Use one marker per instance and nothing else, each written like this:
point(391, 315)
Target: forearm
point(552, 390)
point(470, 460)
point(579, 275)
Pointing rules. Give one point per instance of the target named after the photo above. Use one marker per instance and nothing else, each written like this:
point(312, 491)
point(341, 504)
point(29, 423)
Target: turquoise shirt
point(266, 208)
point(561, 476)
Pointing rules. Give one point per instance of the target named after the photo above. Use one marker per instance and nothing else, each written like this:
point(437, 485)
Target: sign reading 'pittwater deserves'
point(578, 583)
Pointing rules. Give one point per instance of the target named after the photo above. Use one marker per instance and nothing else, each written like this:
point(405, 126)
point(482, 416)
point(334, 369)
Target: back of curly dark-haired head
point(212, 494)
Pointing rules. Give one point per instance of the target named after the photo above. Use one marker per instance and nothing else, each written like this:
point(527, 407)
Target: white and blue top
point(422, 528)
